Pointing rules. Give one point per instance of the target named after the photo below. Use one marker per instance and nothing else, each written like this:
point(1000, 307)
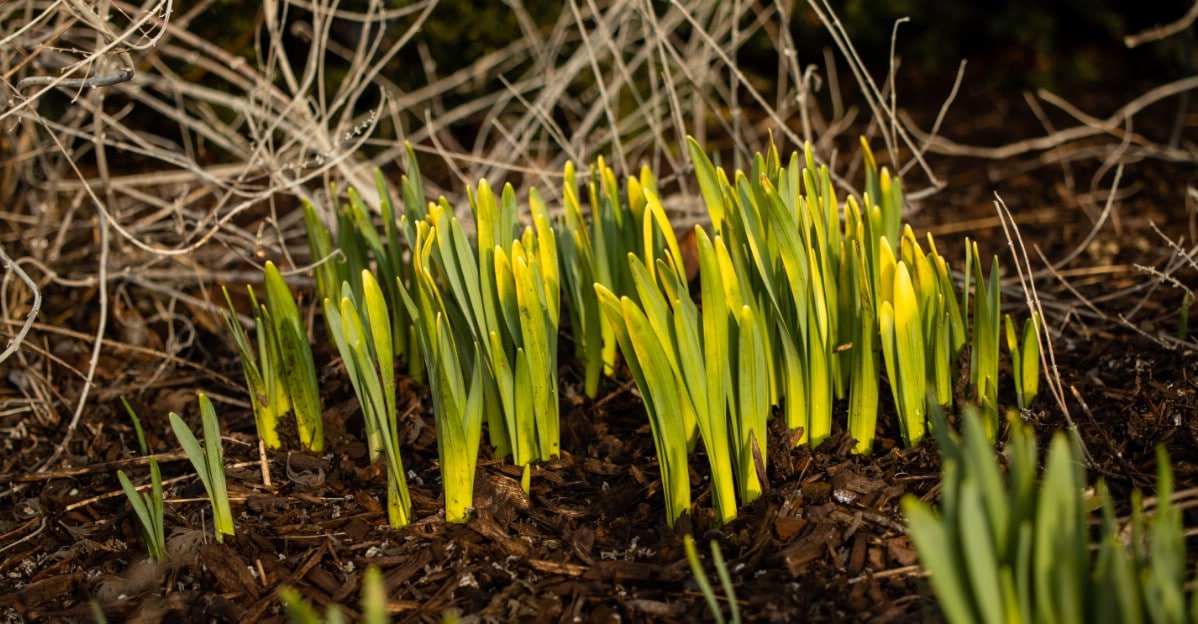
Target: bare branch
point(34, 308)
point(1156, 33)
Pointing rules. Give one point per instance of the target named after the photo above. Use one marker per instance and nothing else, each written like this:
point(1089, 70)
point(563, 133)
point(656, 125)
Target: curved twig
point(15, 343)
point(1156, 33)
point(75, 83)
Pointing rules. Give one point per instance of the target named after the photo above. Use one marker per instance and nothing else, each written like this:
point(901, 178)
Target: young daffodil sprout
point(146, 505)
point(1025, 359)
point(209, 462)
point(373, 603)
point(298, 367)
point(1021, 551)
point(503, 293)
point(596, 252)
point(263, 372)
point(721, 569)
point(699, 371)
point(282, 377)
point(782, 251)
point(647, 360)
point(148, 508)
point(455, 376)
point(362, 333)
point(987, 315)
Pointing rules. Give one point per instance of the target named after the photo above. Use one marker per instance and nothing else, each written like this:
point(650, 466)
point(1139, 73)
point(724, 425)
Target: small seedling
point(374, 603)
point(147, 506)
point(1025, 360)
point(721, 568)
point(209, 463)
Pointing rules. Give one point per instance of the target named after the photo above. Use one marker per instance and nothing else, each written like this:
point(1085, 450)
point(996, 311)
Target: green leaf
point(656, 311)
point(374, 597)
point(265, 407)
point(192, 448)
point(380, 334)
point(148, 509)
point(299, 371)
point(909, 351)
point(1061, 562)
point(141, 436)
point(524, 436)
point(208, 461)
point(983, 471)
point(508, 304)
point(936, 552)
point(656, 215)
point(327, 258)
point(863, 386)
point(536, 327)
point(981, 559)
point(692, 558)
point(709, 183)
point(413, 188)
point(221, 512)
point(547, 256)
point(753, 402)
point(278, 298)
point(1029, 369)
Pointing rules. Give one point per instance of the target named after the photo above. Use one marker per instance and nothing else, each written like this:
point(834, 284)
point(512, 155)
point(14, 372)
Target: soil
point(824, 544)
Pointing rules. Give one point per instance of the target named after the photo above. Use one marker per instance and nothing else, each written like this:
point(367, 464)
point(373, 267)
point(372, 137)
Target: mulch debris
point(825, 542)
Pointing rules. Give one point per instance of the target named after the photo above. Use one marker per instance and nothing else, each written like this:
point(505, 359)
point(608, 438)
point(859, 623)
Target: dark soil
point(825, 544)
